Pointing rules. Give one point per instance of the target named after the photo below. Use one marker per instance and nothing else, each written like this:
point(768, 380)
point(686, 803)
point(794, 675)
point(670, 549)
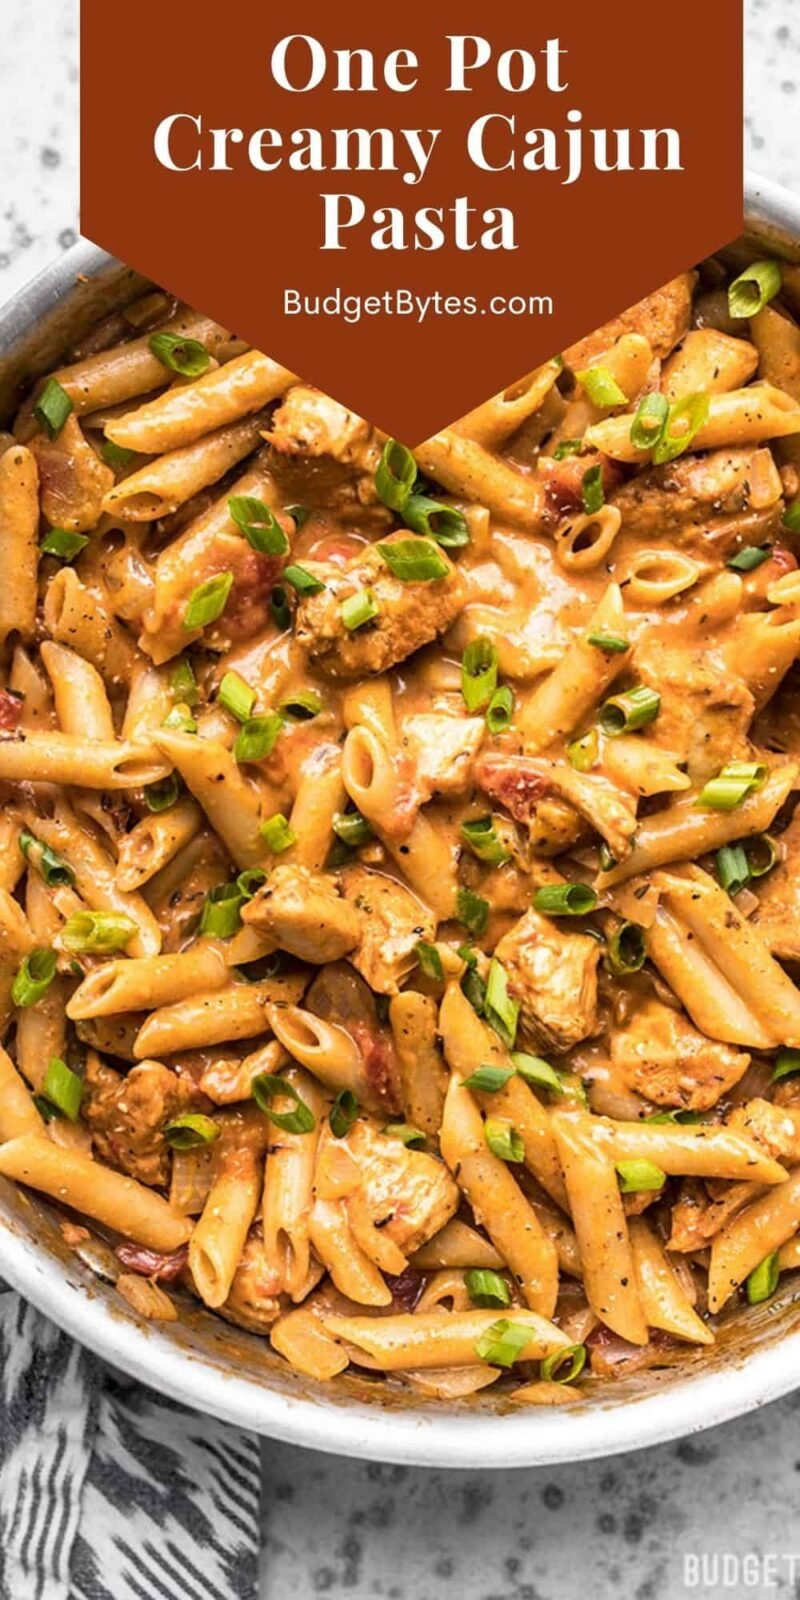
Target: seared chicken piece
point(304, 912)
point(553, 974)
point(705, 712)
point(126, 1115)
point(254, 1298)
point(409, 1194)
point(705, 497)
point(409, 614)
point(775, 1128)
point(661, 1056)
point(311, 423)
point(662, 318)
point(73, 480)
point(443, 750)
point(392, 922)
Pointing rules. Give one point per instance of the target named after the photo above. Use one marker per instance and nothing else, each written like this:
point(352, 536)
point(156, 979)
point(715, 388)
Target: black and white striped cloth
point(108, 1491)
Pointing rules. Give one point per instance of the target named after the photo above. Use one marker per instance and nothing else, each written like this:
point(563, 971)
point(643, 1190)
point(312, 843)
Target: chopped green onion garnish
point(752, 556)
point(763, 1280)
point(503, 1343)
point(396, 475)
point(208, 601)
point(473, 911)
point(567, 447)
point(479, 674)
point(277, 834)
point(52, 867)
point(221, 908)
point(650, 421)
point(592, 492)
point(352, 829)
point(343, 1113)
point(625, 951)
point(442, 523)
point(537, 1072)
point(480, 836)
point(188, 357)
point(280, 609)
point(162, 795)
point(257, 737)
point(635, 1176)
point(60, 542)
point(97, 932)
point(487, 1288)
point(358, 609)
point(732, 785)
point(582, 753)
point(430, 961)
point(564, 1366)
point(179, 721)
point(787, 1064)
point(52, 408)
point(62, 1090)
point(733, 869)
point(762, 853)
point(500, 1011)
point(267, 1087)
point(191, 1130)
point(413, 1138)
point(754, 288)
point(250, 881)
point(472, 985)
point(503, 1140)
point(301, 707)
point(632, 709)
point(237, 696)
point(414, 560)
point(487, 1079)
point(602, 387)
point(685, 419)
point(299, 515)
point(612, 644)
point(791, 516)
point(259, 525)
point(500, 712)
point(183, 684)
point(115, 455)
point(33, 978)
point(681, 1117)
point(564, 899)
point(304, 582)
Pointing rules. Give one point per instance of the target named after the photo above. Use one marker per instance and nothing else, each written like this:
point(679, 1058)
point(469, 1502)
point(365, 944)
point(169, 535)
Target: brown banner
point(411, 208)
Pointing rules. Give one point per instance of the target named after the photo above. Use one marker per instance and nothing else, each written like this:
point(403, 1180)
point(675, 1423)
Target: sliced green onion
point(582, 753)
point(62, 1090)
point(625, 951)
point(430, 961)
point(754, 288)
point(564, 1366)
point(299, 515)
point(480, 836)
point(343, 1113)
point(500, 713)
point(763, 1280)
point(479, 674)
point(567, 447)
point(487, 1288)
point(564, 899)
point(787, 1064)
point(304, 582)
point(473, 911)
point(52, 408)
point(685, 420)
point(280, 608)
point(190, 1131)
point(208, 601)
point(162, 795)
point(97, 932)
point(116, 456)
point(352, 829)
point(413, 1138)
point(733, 870)
point(650, 421)
point(732, 785)
point(504, 1140)
point(473, 987)
point(487, 1079)
point(632, 709)
point(503, 1343)
point(607, 861)
point(762, 853)
point(277, 834)
point(221, 908)
point(183, 684)
point(791, 516)
point(179, 720)
point(236, 696)
point(301, 707)
point(414, 560)
point(500, 1011)
point(60, 542)
point(52, 867)
point(359, 609)
point(602, 387)
point(612, 644)
point(682, 1117)
point(188, 357)
point(747, 559)
point(396, 475)
point(257, 737)
point(443, 524)
point(592, 492)
point(33, 978)
point(259, 525)
point(267, 1087)
point(250, 881)
point(636, 1176)
point(537, 1072)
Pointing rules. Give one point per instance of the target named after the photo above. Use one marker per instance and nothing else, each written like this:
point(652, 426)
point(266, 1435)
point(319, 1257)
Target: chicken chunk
point(392, 921)
point(553, 974)
point(523, 787)
point(705, 497)
point(254, 1298)
point(705, 712)
point(661, 1056)
point(777, 920)
point(304, 912)
point(775, 1128)
point(409, 615)
point(443, 750)
point(662, 318)
point(410, 1195)
point(74, 481)
point(311, 423)
point(126, 1115)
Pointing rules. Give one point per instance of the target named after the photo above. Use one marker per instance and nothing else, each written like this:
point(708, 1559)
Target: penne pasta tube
point(320, 795)
point(288, 1193)
point(25, 679)
point(598, 1215)
point(150, 701)
point(234, 807)
point(220, 1235)
point(91, 763)
point(80, 618)
point(139, 985)
point(166, 483)
point(94, 875)
point(82, 705)
point(465, 468)
point(154, 842)
point(423, 1078)
point(19, 527)
point(708, 362)
point(236, 1012)
point(567, 695)
point(187, 412)
point(439, 1338)
point(456, 1245)
point(494, 421)
point(692, 1151)
point(712, 1002)
point(663, 1300)
point(16, 938)
point(752, 1235)
point(326, 1049)
point(353, 1273)
point(743, 416)
point(18, 1113)
point(119, 1202)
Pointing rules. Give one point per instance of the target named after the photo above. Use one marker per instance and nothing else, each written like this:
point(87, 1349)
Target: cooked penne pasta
point(189, 411)
point(110, 1197)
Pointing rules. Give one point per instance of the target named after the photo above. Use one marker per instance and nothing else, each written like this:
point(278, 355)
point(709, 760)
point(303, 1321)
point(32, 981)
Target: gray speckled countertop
point(354, 1531)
